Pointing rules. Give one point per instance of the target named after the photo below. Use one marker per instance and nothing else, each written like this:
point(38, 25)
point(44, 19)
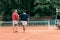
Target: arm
point(18, 17)
point(28, 19)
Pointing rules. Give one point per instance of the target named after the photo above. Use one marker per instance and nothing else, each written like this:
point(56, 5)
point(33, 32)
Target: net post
point(48, 24)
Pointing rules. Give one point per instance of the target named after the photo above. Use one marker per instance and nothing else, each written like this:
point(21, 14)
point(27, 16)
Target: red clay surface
point(31, 33)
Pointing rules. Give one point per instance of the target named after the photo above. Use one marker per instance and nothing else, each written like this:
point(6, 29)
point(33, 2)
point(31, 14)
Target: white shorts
point(14, 22)
point(24, 22)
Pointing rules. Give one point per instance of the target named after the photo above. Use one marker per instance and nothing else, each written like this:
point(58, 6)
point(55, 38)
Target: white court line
point(38, 30)
point(35, 31)
point(25, 37)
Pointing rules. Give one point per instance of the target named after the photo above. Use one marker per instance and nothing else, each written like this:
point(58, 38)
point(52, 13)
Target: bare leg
point(24, 28)
point(15, 28)
point(16, 25)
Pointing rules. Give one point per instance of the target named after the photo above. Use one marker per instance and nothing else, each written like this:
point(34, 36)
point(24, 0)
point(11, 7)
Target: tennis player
point(15, 18)
point(24, 19)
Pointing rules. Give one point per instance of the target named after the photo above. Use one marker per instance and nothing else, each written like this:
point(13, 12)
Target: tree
point(6, 6)
point(32, 7)
point(44, 8)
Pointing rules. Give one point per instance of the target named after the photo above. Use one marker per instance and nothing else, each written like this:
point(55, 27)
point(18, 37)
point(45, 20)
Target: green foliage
point(44, 8)
point(35, 8)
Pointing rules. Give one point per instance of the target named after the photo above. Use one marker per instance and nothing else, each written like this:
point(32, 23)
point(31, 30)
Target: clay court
point(31, 33)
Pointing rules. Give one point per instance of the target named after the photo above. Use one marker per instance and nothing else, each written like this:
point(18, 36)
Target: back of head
point(15, 10)
point(24, 13)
